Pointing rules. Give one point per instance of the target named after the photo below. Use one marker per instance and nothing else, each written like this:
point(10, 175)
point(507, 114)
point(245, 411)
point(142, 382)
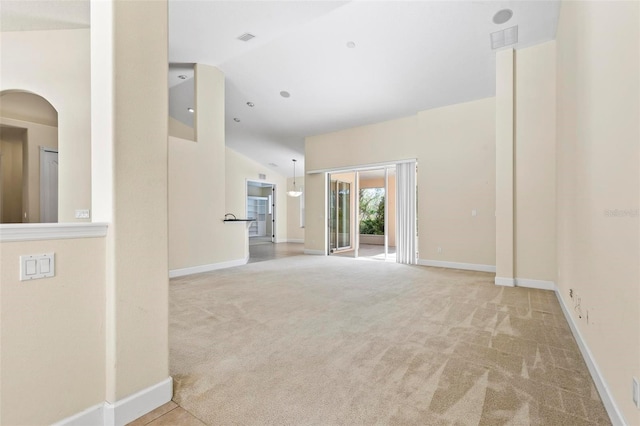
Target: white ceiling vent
point(246, 37)
point(505, 37)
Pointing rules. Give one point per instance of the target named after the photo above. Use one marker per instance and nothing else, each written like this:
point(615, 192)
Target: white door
point(48, 186)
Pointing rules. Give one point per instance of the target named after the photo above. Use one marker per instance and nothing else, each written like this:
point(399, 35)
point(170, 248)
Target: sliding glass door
point(339, 215)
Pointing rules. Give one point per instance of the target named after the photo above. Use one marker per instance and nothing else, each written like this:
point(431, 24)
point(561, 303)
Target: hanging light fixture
point(294, 192)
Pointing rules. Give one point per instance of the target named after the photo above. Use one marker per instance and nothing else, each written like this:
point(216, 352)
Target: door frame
point(274, 210)
point(43, 194)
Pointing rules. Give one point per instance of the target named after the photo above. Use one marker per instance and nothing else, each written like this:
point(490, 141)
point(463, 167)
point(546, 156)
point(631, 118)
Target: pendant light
point(294, 192)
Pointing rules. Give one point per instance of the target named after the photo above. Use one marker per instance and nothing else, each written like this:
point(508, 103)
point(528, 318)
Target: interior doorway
point(261, 206)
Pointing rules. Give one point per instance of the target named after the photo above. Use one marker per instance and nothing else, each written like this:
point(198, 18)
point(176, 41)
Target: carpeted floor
point(311, 340)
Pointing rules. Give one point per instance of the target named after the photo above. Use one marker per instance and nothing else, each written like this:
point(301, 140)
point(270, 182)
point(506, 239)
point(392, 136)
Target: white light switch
point(30, 267)
point(474, 213)
point(45, 265)
point(37, 266)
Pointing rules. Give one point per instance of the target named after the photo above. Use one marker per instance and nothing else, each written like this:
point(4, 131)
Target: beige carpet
point(312, 340)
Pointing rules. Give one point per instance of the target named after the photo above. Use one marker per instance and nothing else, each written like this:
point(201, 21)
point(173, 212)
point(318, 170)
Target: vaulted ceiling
point(344, 63)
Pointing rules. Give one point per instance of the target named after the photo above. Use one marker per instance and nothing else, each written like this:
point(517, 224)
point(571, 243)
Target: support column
point(505, 143)
point(129, 183)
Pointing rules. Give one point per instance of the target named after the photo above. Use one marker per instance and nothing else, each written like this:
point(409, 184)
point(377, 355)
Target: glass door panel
point(339, 215)
point(344, 215)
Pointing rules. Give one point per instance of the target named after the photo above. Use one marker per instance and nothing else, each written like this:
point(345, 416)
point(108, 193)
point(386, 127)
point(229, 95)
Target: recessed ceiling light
point(191, 109)
point(237, 120)
point(285, 94)
point(251, 104)
point(182, 77)
point(502, 16)
point(351, 45)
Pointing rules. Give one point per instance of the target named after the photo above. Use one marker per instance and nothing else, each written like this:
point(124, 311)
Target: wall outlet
point(439, 249)
point(82, 214)
point(636, 392)
point(474, 212)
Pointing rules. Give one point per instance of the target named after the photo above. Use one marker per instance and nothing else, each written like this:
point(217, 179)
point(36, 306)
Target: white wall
point(598, 96)
point(56, 66)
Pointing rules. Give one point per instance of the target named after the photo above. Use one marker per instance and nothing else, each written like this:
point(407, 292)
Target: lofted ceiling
point(408, 56)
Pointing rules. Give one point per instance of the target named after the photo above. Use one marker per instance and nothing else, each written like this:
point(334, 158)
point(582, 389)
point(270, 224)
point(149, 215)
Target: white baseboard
point(539, 284)
point(505, 282)
point(615, 415)
point(315, 252)
point(294, 241)
point(525, 283)
point(91, 416)
point(457, 265)
point(206, 268)
point(125, 410)
point(140, 403)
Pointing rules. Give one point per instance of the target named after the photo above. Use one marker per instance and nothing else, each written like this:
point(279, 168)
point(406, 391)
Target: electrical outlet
point(636, 392)
point(82, 214)
point(439, 249)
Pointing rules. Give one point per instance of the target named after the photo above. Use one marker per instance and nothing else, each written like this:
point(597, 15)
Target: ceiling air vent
point(246, 37)
point(505, 37)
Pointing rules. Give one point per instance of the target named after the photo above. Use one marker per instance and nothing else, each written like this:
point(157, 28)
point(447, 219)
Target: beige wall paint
point(294, 231)
point(598, 85)
point(180, 130)
point(504, 209)
point(37, 135)
point(535, 163)
point(52, 336)
point(197, 181)
point(56, 66)
point(137, 283)
point(239, 169)
point(11, 180)
point(456, 173)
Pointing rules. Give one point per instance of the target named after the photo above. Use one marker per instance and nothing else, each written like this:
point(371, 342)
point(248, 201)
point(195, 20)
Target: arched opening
point(28, 158)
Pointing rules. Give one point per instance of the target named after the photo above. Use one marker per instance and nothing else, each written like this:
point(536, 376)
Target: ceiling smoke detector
point(285, 94)
point(250, 104)
point(502, 16)
point(505, 37)
point(351, 44)
point(246, 37)
point(237, 120)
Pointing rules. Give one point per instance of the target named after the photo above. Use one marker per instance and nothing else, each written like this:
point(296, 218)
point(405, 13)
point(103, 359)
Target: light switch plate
point(35, 266)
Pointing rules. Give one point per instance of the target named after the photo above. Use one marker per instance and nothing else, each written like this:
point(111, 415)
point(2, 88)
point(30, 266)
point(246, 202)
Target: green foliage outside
point(372, 211)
